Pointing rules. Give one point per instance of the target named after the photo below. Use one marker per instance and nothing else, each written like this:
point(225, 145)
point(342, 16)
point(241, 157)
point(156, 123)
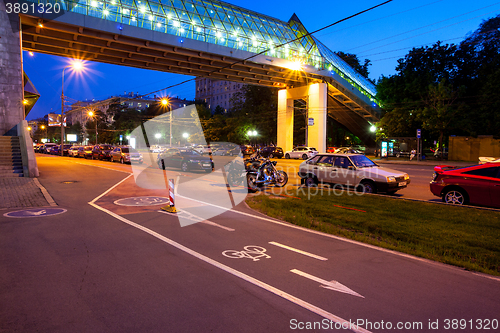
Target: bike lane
point(365, 283)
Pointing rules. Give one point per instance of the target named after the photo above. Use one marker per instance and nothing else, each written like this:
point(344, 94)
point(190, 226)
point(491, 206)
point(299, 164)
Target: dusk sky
point(382, 35)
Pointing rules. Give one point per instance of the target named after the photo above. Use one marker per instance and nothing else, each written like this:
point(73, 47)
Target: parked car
point(220, 151)
point(348, 150)
point(73, 151)
point(85, 151)
point(184, 158)
point(47, 147)
point(477, 184)
point(156, 149)
point(301, 152)
point(126, 155)
point(351, 170)
point(271, 152)
point(37, 147)
point(247, 150)
point(204, 150)
point(102, 152)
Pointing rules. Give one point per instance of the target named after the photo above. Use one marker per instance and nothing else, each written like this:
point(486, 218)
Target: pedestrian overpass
point(217, 40)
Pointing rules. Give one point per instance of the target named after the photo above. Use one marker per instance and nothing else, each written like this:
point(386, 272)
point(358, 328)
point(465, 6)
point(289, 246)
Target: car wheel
point(455, 197)
point(287, 156)
point(311, 181)
point(122, 161)
point(184, 167)
point(304, 157)
point(271, 156)
point(368, 187)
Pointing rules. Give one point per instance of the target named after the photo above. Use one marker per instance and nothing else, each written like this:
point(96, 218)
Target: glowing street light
point(158, 136)
point(373, 128)
point(93, 115)
point(76, 65)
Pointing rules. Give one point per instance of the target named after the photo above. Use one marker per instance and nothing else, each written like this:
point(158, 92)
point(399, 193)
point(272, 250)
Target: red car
point(477, 185)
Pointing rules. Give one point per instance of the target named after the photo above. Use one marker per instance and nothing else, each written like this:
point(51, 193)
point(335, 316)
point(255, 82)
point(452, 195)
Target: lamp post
point(185, 136)
point(158, 136)
point(94, 116)
point(164, 102)
point(77, 66)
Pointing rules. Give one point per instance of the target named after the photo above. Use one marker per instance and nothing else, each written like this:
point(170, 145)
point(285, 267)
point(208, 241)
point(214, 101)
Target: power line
point(401, 40)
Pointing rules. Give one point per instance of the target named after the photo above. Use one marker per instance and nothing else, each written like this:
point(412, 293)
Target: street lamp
point(251, 134)
point(158, 136)
point(94, 116)
point(165, 103)
point(76, 65)
point(185, 136)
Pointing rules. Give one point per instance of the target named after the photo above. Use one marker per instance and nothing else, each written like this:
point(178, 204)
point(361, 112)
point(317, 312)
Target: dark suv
point(102, 152)
point(272, 152)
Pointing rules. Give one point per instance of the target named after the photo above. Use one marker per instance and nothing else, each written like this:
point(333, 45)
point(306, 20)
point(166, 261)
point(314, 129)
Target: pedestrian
point(413, 153)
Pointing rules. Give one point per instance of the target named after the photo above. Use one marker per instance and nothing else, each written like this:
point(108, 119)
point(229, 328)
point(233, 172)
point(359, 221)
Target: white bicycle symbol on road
point(250, 251)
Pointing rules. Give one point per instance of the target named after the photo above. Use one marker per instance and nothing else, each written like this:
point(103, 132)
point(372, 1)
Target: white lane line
point(111, 188)
point(258, 283)
point(299, 251)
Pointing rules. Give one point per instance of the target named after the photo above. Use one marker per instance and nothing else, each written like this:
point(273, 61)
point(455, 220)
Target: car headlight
point(391, 179)
point(407, 177)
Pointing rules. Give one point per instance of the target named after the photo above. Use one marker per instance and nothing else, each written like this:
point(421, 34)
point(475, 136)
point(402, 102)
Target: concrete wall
point(11, 78)
point(462, 148)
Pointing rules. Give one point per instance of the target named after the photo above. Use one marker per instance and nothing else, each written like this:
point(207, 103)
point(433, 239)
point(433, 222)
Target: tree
point(353, 61)
point(404, 95)
point(441, 110)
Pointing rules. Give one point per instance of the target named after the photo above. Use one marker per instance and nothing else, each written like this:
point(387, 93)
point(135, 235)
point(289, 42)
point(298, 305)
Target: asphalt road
point(105, 267)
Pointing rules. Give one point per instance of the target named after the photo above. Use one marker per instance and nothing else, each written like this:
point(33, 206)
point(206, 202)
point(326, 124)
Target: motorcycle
point(258, 172)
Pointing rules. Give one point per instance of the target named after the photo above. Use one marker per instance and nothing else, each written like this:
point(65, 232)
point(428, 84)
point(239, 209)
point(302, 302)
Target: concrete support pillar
point(11, 73)
point(317, 110)
point(285, 121)
point(316, 95)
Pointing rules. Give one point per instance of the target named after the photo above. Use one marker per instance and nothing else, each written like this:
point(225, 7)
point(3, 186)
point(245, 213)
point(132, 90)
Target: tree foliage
point(353, 61)
point(445, 89)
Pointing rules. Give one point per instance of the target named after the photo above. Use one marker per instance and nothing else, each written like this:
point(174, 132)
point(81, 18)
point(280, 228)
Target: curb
point(45, 192)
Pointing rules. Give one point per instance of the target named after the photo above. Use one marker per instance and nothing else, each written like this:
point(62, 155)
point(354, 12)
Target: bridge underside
point(63, 39)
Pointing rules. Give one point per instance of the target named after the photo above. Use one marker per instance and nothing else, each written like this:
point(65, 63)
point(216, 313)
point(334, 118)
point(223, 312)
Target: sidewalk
point(23, 192)
point(406, 161)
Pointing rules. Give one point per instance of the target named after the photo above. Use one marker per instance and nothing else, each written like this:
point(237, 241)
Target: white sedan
point(301, 152)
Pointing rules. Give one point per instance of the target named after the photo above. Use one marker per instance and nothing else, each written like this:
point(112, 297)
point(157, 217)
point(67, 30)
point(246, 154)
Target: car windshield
point(105, 147)
point(127, 150)
point(361, 161)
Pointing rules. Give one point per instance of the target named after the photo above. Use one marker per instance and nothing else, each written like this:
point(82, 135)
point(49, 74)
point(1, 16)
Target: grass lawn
point(465, 237)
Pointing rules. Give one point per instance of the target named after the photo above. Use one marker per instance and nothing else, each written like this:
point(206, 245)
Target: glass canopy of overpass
point(223, 24)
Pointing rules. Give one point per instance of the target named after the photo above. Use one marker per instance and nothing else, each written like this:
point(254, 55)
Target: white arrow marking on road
point(333, 285)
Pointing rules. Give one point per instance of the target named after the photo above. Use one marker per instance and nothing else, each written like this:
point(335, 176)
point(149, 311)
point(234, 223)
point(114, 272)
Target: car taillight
point(434, 176)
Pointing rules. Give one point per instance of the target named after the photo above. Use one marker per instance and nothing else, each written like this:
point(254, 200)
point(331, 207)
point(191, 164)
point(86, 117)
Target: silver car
point(301, 152)
point(351, 171)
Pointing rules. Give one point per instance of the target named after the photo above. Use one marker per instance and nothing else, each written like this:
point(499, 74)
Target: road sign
point(35, 212)
point(419, 133)
point(311, 121)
